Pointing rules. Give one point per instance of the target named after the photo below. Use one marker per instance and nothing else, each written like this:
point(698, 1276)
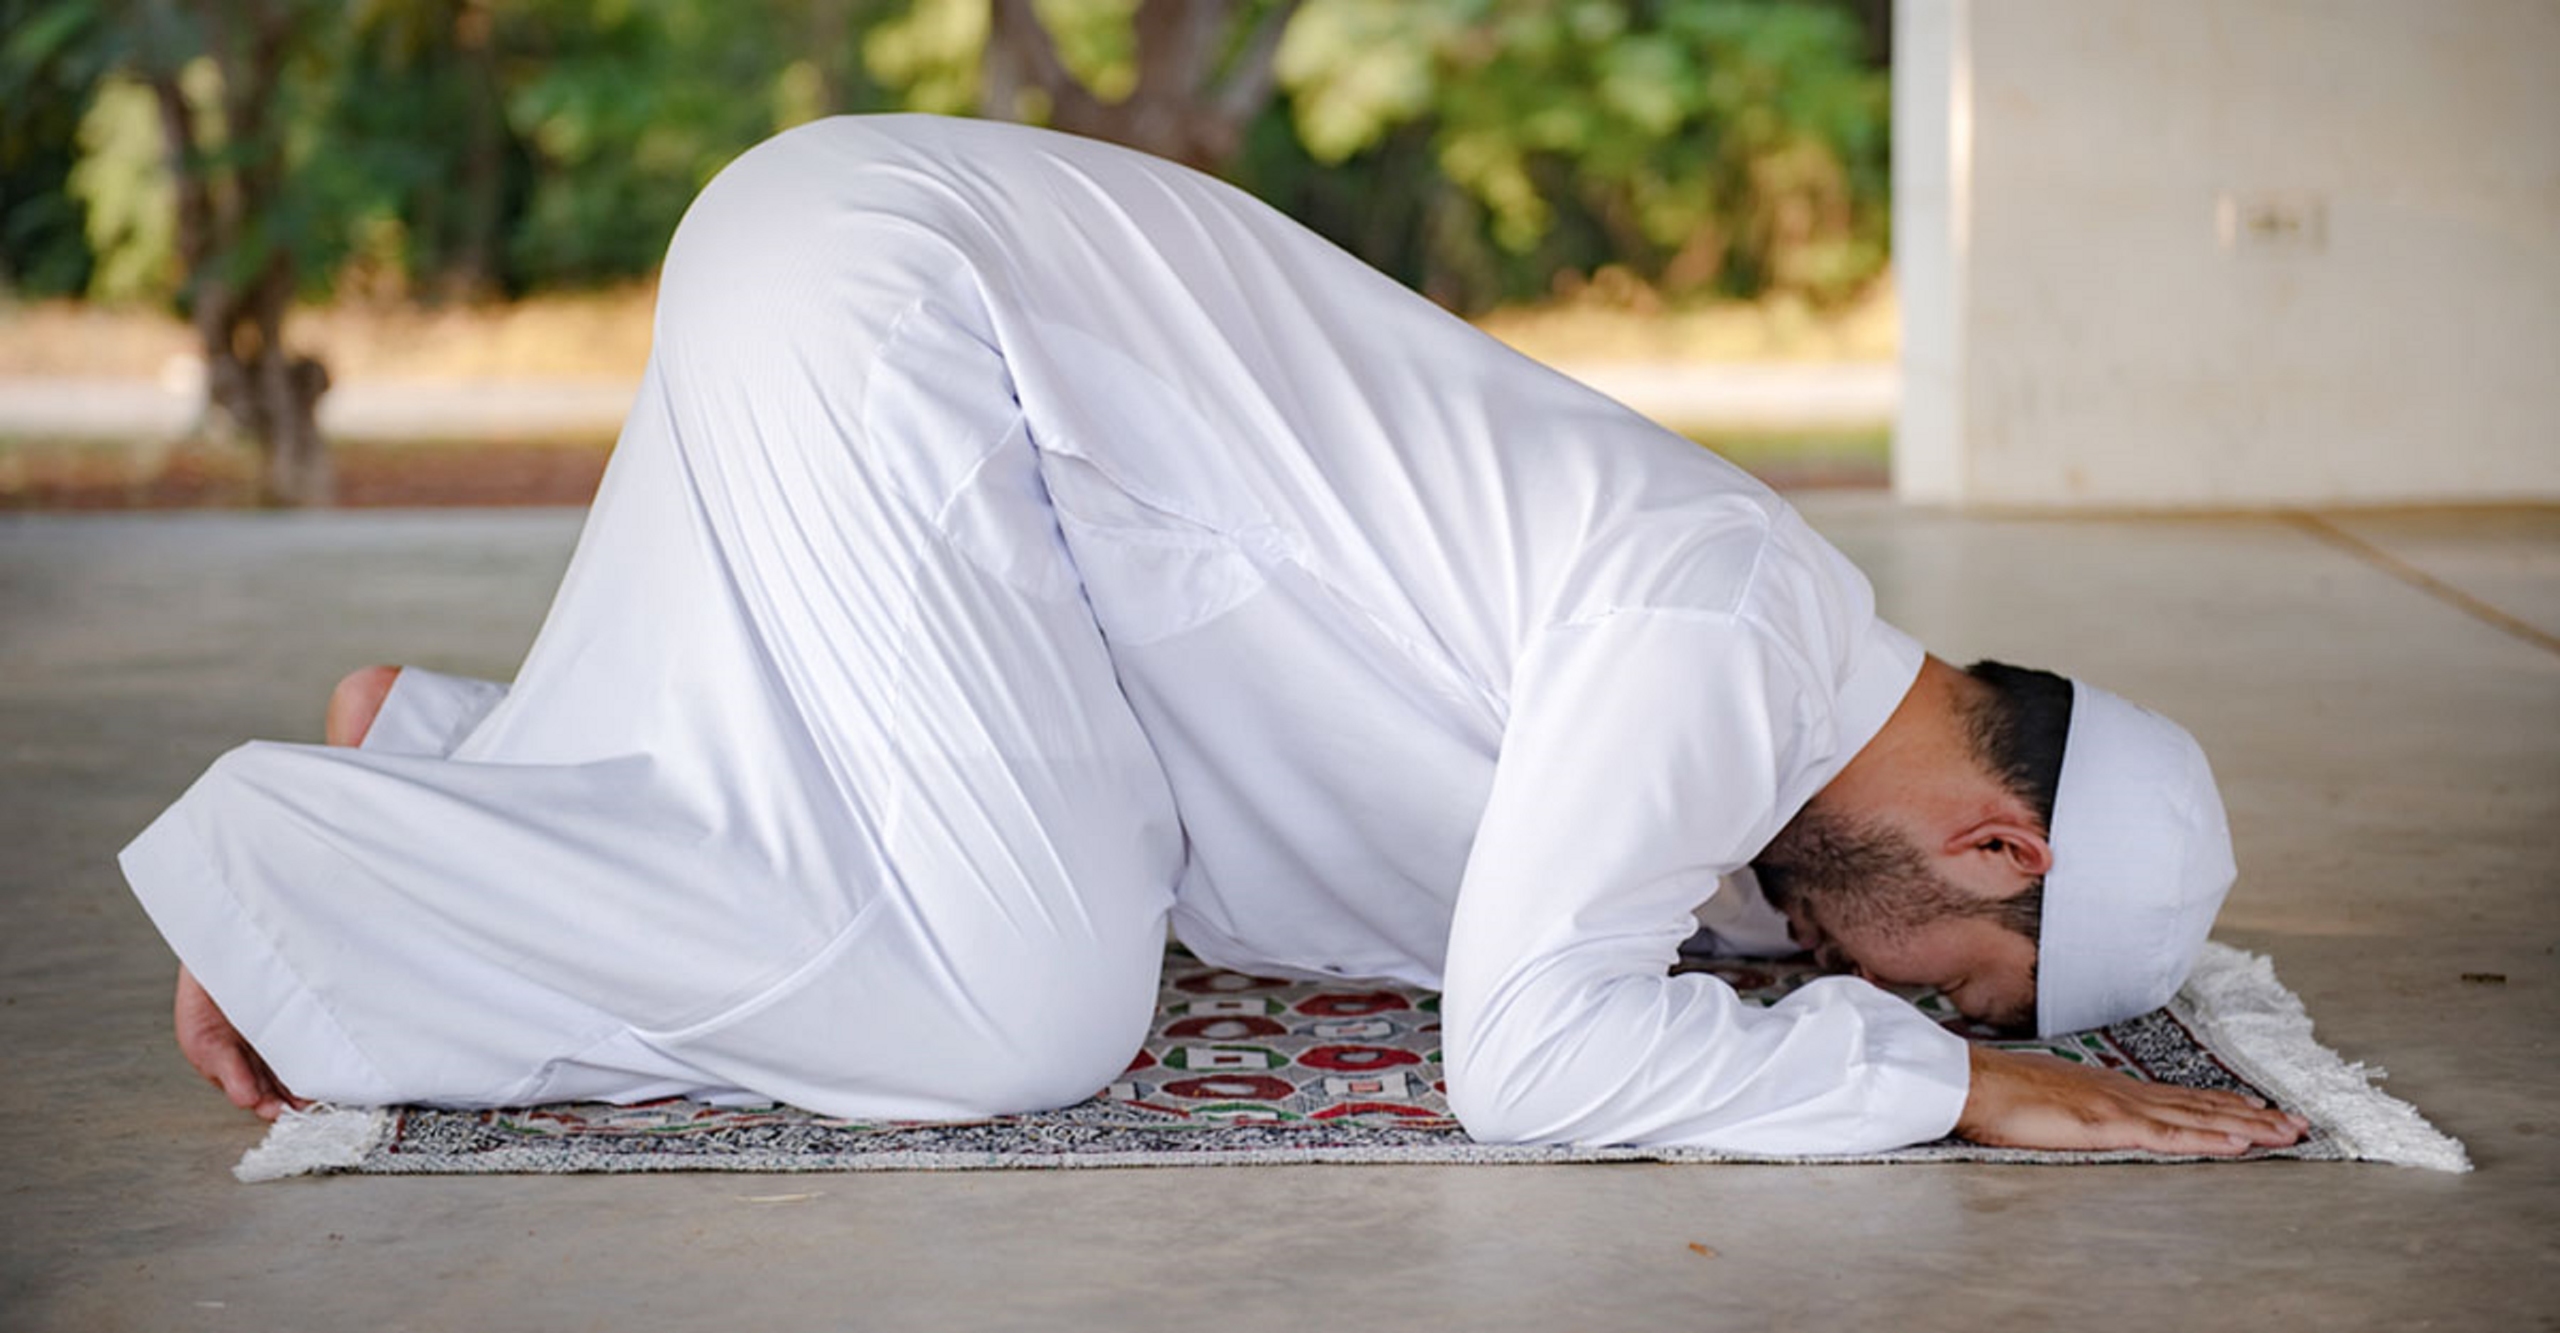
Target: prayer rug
point(1244, 1070)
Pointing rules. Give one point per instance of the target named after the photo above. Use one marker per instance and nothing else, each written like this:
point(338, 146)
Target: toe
point(353, 705)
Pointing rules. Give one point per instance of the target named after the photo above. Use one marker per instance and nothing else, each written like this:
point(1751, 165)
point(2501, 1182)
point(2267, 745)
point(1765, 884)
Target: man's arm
point(2020, 1100)
point(1644, 751)
point(1634, 743)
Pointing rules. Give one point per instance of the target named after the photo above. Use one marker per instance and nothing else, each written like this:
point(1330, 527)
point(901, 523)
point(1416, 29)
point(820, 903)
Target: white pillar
point(2227, 253)
point(1932, 146)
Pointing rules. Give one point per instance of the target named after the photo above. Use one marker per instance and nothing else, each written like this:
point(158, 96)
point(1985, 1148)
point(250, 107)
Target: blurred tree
point(1704, 144)
point(128, 206)
point(1183, 79)
point(463, 148)
point(834, 81)
point(1875, 26)
point(627, 107)
point(222, 76)
point(1203, 69)
point(1483, 150)
point(48, 76)
point(431, 171)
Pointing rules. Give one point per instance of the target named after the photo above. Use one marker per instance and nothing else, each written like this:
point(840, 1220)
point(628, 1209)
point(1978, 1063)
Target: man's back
point(1318, 520)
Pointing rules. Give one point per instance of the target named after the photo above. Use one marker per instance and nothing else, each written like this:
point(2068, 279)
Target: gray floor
point(2392, 761)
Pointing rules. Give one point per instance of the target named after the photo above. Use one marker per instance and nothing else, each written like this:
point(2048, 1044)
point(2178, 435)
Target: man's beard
point(1850, 874)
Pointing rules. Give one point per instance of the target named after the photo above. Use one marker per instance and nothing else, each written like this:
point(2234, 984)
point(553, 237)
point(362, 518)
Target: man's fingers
point(2244, 1114)
point(2223, 1138)
point(2272, 1134)
point(228, 1068)
point(2222, 1116)
point(2035, 1100)
point(274, 1087)
point(2191, 1139)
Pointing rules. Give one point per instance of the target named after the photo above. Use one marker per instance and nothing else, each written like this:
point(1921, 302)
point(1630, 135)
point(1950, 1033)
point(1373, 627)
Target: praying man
point(1019, 544)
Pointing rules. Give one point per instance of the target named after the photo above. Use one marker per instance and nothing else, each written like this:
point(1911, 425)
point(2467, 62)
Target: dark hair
point(2018, 726)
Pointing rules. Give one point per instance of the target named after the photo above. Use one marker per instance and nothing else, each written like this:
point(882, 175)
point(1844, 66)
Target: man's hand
point(218, 1052)
point(2038, 1101)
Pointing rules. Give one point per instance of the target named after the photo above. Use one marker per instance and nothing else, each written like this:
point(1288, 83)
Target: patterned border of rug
point(1245, 1070)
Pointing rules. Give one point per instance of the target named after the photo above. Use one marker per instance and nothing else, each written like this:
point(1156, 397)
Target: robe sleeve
point(1644, 749)
point(429, 712)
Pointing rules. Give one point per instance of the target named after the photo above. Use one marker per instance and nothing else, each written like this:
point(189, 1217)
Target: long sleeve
point(1646, 752)
point(429, 712)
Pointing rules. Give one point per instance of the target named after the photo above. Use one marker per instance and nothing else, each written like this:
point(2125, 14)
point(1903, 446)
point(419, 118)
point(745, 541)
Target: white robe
point(1018, 539)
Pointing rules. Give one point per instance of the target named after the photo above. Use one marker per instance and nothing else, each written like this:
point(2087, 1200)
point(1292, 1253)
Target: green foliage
point(433, 146)
point(542, 143)
point(93, 59)
point(122, 183)
point(930, 53)
point(1706, 144)
point(1481, 149)
point(626, 110)
point(50, 67)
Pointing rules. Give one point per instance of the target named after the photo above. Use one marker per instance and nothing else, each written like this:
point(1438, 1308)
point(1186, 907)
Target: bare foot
point(205, 1036)
point(218, 1052)
point(356, 702)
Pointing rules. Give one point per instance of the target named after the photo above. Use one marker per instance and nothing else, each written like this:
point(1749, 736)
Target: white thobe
point(1018, 539)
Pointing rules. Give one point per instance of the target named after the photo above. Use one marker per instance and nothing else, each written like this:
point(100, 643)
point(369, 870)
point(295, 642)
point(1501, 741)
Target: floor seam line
point(2478, 609)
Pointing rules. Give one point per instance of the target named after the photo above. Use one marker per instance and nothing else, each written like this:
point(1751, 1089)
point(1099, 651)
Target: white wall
point(2227, 252)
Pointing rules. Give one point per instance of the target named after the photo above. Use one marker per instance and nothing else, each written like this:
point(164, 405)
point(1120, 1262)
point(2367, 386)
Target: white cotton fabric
point(1017, 540)
point(2141, 863)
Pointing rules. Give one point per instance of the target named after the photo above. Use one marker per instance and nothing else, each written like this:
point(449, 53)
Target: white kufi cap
point(2141, 862)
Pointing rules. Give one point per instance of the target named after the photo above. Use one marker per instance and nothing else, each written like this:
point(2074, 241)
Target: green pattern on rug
point(1244, 1070)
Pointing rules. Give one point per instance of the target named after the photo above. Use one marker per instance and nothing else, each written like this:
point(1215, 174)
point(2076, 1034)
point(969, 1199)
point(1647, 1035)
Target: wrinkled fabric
point(1017, 542)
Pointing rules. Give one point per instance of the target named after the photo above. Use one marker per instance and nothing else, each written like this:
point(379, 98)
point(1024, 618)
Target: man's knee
point(1070, 1030)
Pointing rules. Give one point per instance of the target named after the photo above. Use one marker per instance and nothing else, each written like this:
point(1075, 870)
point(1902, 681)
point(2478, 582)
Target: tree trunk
point(251, 379)
point(1192, 102)
point(297, 460)
point(471, 274)
point(830, 29)
point(286, 393)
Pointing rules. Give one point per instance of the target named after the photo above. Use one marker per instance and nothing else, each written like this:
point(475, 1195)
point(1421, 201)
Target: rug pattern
point(1238, 1069)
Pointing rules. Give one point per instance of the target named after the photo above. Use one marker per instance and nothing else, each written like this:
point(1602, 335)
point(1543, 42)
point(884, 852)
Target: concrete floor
point(2392, 760)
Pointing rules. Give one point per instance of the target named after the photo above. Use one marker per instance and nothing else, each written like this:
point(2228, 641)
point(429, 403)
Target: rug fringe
point(326, 1138)
point(2250, 1017)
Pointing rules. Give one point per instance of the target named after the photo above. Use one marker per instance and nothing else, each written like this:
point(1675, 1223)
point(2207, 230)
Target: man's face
point(1865, 900)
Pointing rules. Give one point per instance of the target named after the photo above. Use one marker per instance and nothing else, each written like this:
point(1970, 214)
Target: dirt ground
point(369, 476)
point(88, 476)
point(606, 333)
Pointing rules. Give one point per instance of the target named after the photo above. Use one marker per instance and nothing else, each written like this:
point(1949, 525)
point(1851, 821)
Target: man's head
point(2044, 853)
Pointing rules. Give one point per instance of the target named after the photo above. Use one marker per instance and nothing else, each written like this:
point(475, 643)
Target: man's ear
point(2020, 846)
